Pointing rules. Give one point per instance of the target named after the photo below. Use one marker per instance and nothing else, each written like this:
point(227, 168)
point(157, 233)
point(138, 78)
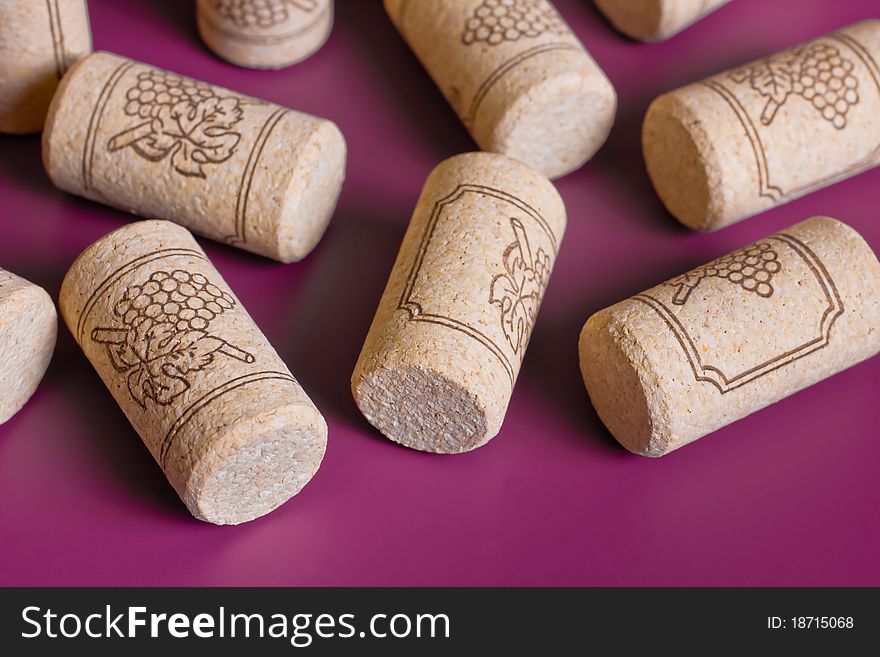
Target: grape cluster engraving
point(496, 21)
point(260, 13)
point(180, 118)
point(752, 268)
point(165, 339)
point(817, 72)
point(518, 291)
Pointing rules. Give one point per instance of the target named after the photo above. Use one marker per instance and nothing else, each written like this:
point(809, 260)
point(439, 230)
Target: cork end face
point(28, 330)
point(422, 409)
point(615, 388)
point(252, 473)
point(679, 162)
point(558, 125)
point(312, 194)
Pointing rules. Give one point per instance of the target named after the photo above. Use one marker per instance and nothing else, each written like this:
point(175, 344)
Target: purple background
point(786, 496)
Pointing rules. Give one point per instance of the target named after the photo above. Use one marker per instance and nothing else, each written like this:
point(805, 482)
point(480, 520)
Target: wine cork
point(711, 346)
point(757, 136)
point(264, 33)
point(28, 327)
point(656, 20)
point(237, 169)
point(515, 74)
point(439, 363)
point(39, 41)
point(218, 409)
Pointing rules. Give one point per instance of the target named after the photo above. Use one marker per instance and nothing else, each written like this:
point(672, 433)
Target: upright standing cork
point(264, 33)
point(39, 41)
point(727, 339)
point(517, 76)
point(230, 167)
point(744, 141)
point(28, 326)
point(219, 411)
point(656, 20)
point(438, 366)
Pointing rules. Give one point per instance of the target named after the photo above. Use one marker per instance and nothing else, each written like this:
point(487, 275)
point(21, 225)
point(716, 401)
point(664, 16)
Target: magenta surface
point(789, 495)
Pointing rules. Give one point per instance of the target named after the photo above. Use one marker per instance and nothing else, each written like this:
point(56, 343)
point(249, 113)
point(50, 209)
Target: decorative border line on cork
point(507, 67)
point(244, 188)
point(57, 32)
point(503, 69)
point(207, 399)
point(95, 122)
point(765, 188)
point(270, 39)
point(725, 383)
point(415, 310)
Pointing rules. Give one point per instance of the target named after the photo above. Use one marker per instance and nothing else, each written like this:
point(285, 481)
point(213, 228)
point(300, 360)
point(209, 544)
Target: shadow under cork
point(336, 307)
point(420, 106)
point(177, 15)
point(21, 163)
point(112, 442)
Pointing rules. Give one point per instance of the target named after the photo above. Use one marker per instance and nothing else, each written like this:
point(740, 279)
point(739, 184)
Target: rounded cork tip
point(614, 374)
point(558, 124)
point(681, 163)
point(421, 409)
point(257, 466)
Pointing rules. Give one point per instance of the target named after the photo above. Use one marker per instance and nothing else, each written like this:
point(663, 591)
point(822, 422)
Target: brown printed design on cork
point(163, 340)
point(831, 74)
point(158, 359)
point(243, 14)
point(155, 352)
point(223, 417)
point(237, 169)
point(184, 119)
point(752, 270)
point(56, 28)
point(264, 33)
point(524, 265)
point(516, 75)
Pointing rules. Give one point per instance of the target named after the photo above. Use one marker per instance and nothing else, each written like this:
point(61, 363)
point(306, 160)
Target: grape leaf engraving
point(180, 118)
point(261, 13)
point(817, 72)
point(496, 21)
point(518, 291)
point(164, 337)
point(752, 268)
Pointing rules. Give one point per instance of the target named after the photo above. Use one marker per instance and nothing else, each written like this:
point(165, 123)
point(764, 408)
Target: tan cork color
point(760, 135)
point(441, 358)
point(264, 33)
point(711, 346)
point(656, 20)
point(39, 41)
point(28, 327)
point(218, 409)
point(233, 168)
point(515, 74)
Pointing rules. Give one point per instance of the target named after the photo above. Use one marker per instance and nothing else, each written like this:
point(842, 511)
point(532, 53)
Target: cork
point(233, 168)
point(709, 347)
point(219, 411)
point(39, 41)
point(28, 327)
point(749, 139)
point(267, 34)
point(441, 358)
point(655, 20)
point(517, 76)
